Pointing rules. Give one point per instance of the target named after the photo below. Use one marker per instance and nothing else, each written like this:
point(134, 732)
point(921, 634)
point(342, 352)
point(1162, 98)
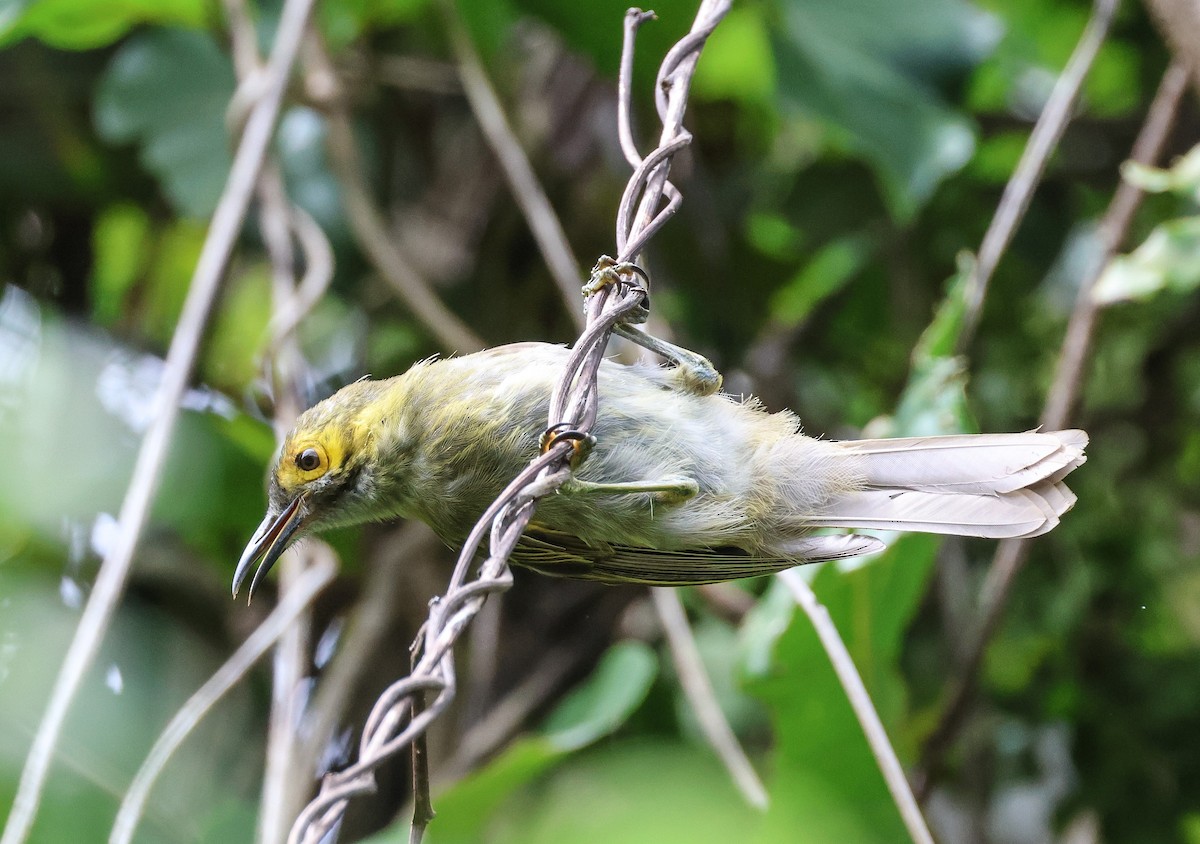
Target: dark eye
point(308, 460)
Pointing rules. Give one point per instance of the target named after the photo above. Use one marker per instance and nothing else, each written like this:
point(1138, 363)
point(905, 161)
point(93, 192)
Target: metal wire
point(618, 296)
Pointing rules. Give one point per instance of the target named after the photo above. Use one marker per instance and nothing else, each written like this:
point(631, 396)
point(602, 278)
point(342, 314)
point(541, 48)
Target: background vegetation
point(845, 154)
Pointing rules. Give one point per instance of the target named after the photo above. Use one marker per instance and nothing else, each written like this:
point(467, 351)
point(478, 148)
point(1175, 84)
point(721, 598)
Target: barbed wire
point(616, 297)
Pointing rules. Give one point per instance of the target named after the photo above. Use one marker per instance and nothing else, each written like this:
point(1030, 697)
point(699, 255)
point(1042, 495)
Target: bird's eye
point(308, 460)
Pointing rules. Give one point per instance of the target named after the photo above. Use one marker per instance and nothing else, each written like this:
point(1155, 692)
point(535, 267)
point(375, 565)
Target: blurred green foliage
point(847, 157)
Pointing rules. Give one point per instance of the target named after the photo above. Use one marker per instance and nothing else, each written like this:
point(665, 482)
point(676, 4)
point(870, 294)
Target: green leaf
point(119, 242)
point(231, 358)
point(825, 779)
point(737, 62)
point(1037, 41)
point(1169, 259)
point(829, 271)
point(864, 68)
point(616, 688)
point(645, 791)
point(489, 22)
point(167, 90)
point(85, 24)
point(1182, 178)
point(346, 20)
point(940, 338)
point(934, 400)
point(173, 260)
point(596, 709)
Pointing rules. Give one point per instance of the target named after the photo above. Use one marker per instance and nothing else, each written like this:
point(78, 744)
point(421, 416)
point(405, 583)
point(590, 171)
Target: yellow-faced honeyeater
point(683, 485)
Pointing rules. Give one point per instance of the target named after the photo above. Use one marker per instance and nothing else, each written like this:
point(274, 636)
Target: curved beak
point(269, 542)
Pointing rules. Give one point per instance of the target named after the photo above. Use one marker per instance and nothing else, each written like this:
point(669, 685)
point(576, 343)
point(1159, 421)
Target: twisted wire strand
point(399, 717)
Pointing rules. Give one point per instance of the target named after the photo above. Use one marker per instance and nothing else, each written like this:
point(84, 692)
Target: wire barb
point(398, 718)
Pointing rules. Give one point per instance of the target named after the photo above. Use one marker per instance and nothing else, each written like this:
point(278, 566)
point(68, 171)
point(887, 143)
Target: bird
point(682, 484)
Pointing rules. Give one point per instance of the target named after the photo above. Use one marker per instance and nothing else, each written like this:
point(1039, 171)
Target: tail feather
point(984, 463)
point(990, 485)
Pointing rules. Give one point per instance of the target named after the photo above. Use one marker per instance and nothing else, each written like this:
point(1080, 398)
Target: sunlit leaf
point(1169, 259)
point(1183, 177)
point(120, 244)
point(738, 63)
point(146, 666)
point(83, 24)
point(232, 358)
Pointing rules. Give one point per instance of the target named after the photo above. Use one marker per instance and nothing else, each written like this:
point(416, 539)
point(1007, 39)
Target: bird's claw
point(581, 443)
point(610, 272)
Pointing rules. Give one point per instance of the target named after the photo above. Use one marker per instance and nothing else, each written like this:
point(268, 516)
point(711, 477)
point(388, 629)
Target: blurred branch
point(367, 223)
point(285, 783)
point(726, 601)
point(1179, 23)
point(318, 273)
point(366, 630)
point(861, 703)
point(417, 73)
point(181, 356)
point(315, 578)
point(696, 685)
point(1011, 554)
point(535, 206)
point(1042, 142)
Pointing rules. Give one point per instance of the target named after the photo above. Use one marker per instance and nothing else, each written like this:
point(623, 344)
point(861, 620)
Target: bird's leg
point(693, 373)
point(667, 490)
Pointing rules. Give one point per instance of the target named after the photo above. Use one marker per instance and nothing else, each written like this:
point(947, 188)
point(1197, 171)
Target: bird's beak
point(269, 542)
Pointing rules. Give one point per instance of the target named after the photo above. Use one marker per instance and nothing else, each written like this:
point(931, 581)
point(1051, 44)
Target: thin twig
point(423, 811)
point(318, 273)
point(297, 600)
point(367, 223)
point(365, 631)
point(698, 688)
point(634, 18)
point(861, 703)
point(1028, 173)
point(518, 172)
point(1011, 554)
point(1179, 23)
point(1147, 147)
point(181, 356)
point(283, 782)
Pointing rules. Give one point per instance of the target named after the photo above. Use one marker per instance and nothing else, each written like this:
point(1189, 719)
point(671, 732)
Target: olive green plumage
point(733, 490)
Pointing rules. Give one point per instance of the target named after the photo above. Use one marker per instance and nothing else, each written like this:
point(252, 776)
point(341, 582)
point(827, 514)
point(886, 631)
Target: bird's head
point(326, 474)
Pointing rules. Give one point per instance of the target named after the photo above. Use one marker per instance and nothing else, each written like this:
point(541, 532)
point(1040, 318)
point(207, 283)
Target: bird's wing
point(564, 555)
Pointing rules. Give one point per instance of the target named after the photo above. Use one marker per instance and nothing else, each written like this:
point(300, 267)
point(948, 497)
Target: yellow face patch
point(306, 461)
